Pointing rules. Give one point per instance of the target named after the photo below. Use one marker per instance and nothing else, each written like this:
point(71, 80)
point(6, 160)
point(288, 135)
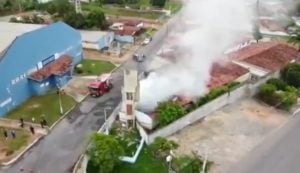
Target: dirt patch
point(229, 133)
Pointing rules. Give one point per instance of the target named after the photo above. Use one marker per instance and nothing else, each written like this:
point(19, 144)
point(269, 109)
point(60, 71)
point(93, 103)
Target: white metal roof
point(92, 36)
point(9, 32)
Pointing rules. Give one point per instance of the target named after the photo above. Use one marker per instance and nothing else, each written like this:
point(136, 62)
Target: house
point(35, 58)
point(125, 32)
point(226, 72)
point(96, 40)
point(130, 97)
point(264, 58)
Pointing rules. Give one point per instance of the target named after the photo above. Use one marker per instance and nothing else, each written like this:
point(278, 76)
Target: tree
point(291, 74)
point(278, 83)
point(267, 90)
point(158, 3)
point(63, 7)
point(168, 112)
point(294, 37)
point(76, 20)
point(256, 33)
point(161, 147)
point(96, 18)
point(104, 152)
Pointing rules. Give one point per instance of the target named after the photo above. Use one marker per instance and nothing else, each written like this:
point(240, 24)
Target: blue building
point(96, 40)
point(34, 58)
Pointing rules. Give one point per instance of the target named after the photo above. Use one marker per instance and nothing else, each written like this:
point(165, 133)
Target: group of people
point(12, 133)
point(43, 123)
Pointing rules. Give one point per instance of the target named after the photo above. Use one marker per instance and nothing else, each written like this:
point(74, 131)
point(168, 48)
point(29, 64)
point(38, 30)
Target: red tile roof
point(271, 56)
point(127, 30)
point(222, 74)
point(59, 66)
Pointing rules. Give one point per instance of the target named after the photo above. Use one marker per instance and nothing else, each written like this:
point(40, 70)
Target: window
point(129, 109)
point(13, 82)
point(17, 79)
point(48, 60)
point(47, 83)
point(42, 85)
point(129, 96)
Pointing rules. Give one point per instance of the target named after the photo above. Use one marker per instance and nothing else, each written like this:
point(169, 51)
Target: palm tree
point(294, 38)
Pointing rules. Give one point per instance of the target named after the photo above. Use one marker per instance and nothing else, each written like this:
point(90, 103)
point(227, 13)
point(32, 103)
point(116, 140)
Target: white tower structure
point(77, 4)
point(130, 97)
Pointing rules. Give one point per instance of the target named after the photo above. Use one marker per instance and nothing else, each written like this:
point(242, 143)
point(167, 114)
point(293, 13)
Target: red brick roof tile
point(271, 56)
point(222, 74)
point(59, 66)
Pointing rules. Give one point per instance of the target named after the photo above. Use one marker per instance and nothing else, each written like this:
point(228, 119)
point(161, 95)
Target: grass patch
point(47, 104)
point(11, 145)
point(94, 67)
point(144, 164)
point(121, 11)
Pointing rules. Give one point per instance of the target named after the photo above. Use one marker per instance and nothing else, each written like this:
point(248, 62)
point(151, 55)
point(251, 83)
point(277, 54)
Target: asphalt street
point(278, 153)
point(59, 150)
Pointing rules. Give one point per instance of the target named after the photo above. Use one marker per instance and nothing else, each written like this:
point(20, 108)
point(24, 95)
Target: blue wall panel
point(24, 55)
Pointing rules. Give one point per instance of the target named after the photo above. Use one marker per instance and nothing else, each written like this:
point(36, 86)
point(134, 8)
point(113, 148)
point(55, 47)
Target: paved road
point(58, 151)
point(278, 153)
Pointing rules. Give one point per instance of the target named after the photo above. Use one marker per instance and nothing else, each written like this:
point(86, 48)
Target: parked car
point(139, 57)
point(147, 40)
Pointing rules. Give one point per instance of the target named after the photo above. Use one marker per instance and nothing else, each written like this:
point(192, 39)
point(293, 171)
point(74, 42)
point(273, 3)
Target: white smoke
point(214, 26)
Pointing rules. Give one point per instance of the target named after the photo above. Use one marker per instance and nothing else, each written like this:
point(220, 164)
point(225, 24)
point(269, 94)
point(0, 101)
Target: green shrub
point(187, 164)
point(291, 73)
point(232, 85)
point(267, 90)
point(161, 147)
point(278, 83)
point(286, 100)
point(168, 112)
point(78, 70)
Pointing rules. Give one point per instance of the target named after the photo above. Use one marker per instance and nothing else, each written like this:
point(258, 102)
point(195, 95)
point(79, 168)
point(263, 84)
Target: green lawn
point(94, 67)
point(121, 11)
point(47, 104)
point(12, 145)
point(145, 164)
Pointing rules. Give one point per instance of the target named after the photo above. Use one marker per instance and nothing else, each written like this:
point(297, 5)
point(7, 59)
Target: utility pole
point(78, 6)
point(105, 120)
point(20, 5)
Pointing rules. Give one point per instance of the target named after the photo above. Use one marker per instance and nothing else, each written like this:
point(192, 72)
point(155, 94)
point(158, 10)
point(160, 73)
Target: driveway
point(228, 134)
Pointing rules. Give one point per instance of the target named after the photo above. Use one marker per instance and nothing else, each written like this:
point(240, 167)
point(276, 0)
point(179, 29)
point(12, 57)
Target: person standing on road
point(13, 134)
point(32, 129)
point(22, 122)
point(5, 134)
point(42, 123)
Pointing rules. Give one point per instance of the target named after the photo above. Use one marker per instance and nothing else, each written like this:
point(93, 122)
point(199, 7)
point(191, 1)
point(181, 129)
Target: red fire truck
point(100, 86)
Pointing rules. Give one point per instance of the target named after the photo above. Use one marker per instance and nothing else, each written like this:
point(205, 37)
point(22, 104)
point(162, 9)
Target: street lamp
point(105, 119)
point(169, 160)
point(59, 100)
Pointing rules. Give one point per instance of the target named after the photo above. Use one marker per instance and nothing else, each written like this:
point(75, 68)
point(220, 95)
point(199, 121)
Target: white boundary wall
point(246, 90)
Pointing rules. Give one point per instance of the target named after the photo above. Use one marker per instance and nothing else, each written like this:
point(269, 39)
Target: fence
point(248, 89)
point(133, 159)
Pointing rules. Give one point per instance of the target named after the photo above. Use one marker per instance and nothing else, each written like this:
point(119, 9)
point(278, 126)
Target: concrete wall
point(246, 90)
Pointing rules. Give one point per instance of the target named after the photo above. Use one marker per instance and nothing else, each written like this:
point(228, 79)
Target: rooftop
point(58, 67)
point(92, 36)
point(271, 56)
point(127, 30)
point(271, 25)
point(9, 32)
point(222, 74)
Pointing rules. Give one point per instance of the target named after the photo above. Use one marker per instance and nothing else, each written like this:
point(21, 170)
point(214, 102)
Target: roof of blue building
point(34, 36)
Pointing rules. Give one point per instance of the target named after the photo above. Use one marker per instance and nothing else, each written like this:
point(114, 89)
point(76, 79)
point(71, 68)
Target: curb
point(62, 117)
point(23, 152)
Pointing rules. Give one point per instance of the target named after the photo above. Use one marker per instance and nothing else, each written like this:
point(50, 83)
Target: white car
point(147, 41)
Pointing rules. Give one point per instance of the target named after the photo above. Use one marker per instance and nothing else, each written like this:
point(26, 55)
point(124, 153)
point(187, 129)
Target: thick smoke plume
point(206, 28)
